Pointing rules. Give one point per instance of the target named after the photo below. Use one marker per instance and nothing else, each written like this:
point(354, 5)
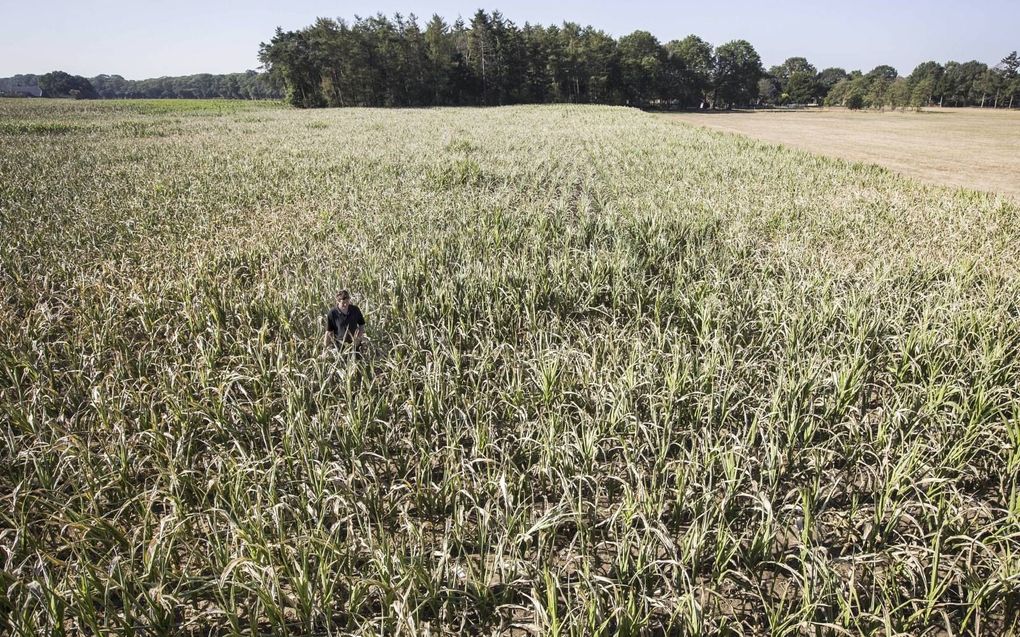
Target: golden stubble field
point(965, 147)
point(627, 378)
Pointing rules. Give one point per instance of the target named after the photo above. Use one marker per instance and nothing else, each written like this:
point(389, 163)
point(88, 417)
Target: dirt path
point(972, 148)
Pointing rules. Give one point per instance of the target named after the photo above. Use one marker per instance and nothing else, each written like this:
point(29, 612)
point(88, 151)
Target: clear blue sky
point(145, 38)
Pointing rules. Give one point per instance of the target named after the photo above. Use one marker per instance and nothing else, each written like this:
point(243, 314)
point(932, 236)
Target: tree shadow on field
point(708, 111)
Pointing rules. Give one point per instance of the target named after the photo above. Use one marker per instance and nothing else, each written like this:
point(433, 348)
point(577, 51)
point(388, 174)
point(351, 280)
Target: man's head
point(343, 299)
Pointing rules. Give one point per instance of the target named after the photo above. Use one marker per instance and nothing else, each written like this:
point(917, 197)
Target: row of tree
point(55, 84)
point(379, 61)
point(247, 85)
point(954, 84)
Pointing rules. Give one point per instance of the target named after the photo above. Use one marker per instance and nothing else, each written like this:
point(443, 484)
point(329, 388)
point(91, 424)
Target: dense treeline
point(954, 84)
point(379, 61)
point(247, 85)
point(488, 60)
point(60, 84)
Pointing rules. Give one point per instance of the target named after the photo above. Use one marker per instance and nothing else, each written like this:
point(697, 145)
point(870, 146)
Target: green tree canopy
point(737, 71)
point(642, 67)
point(691, 63)
point(61, 84)
point(831, 76)
point(883, 71)
point(801, 87)
point(784, 71)
point(381, 61)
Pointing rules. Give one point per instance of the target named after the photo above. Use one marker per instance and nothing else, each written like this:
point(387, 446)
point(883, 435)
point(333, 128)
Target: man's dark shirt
point(344, 326)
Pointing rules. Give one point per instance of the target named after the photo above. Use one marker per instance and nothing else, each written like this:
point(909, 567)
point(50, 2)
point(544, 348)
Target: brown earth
point(966, 147)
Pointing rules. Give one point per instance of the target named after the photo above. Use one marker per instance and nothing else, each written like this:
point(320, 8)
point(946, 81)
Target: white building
point(7, 87)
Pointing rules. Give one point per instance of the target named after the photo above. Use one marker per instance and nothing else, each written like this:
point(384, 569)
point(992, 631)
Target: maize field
point(626, 377)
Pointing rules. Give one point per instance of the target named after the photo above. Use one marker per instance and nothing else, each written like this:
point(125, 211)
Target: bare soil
point(957, 147)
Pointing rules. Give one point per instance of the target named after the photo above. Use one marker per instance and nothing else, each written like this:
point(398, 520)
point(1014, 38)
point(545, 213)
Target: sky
point(143, 38)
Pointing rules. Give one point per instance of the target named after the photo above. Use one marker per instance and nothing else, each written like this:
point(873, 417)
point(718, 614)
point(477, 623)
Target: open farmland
point(627, 377)
point(962, 147)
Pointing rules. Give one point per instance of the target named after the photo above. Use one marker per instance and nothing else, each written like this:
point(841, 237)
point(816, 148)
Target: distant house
point(10, 89)
point(28, 91)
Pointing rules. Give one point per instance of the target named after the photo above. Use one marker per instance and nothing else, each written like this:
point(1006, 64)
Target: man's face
point(342, 303)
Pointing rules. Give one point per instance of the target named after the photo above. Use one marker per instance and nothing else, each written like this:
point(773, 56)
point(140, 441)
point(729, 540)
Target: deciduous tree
point(690, 62)
point(737, 71)
point(642, 67)
point(61, 84)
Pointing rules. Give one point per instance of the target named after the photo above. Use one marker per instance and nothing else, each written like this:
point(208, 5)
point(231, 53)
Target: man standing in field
point(345, 323)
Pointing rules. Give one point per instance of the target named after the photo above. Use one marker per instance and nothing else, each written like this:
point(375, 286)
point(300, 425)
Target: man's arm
point(359, 331)
point(330, 336)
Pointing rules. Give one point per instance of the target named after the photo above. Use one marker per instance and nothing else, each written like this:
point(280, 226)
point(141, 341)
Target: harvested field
point(965, 147)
